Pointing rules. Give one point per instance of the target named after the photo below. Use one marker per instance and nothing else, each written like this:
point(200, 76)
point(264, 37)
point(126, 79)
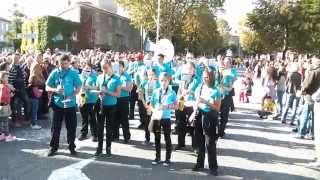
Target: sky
point(234, 9)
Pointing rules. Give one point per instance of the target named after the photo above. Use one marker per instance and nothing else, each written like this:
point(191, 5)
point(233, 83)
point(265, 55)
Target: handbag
point(36, 92)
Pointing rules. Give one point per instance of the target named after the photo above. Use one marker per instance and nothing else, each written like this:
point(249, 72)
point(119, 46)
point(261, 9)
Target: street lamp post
point(158, 21)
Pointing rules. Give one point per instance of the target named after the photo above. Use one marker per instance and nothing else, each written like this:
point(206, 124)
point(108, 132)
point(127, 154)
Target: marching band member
point(110, 86)
point(160, 66)
point(123, 103)
point(229, 75)
point(206, 121)
point(65, 85)
point(87, 101)
point(145, 94)
point(188, 82)
point(139, 77)
point(163, 101)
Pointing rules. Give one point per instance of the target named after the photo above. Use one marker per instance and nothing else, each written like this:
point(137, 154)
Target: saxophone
point(147, 104)
point(82, 95)
point(181, 99)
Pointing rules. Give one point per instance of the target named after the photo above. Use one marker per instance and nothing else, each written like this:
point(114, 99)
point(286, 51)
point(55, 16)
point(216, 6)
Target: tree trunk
point(285, 43)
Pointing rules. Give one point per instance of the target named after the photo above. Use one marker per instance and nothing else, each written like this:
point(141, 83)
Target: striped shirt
point(17, 77)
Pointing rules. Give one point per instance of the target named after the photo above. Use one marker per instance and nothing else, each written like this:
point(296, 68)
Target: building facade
point(4, 28)
point(102, 28)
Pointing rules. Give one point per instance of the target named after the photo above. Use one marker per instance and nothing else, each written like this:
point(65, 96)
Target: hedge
point(47, 28)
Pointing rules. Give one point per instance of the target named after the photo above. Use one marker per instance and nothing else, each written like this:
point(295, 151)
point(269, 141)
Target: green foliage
point(224, 30)
point(283, 25)
point(200, 31)
point(307, 27)
point(144, 13)
point(15, 28)
point(47, 29)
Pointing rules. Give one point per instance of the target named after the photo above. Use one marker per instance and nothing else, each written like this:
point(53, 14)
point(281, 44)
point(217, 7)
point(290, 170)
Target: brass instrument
point(82, 95)
point(181, 103)
point(147, 105)
point(181, 99)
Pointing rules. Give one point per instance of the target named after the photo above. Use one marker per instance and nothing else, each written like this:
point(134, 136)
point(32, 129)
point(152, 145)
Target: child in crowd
point(5, 111)
point(268, 107)
point(246, 90)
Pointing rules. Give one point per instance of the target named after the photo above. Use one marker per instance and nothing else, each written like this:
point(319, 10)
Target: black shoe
point(52, 152)
point(197, 168)
point(146, 142)
point(116, 139)
point(141, 126)
point(178, 148)
point(94, 139)
point(221, 135)
point(292, 124)
point(283, 122)
point(156, 162)
point(98, 153)
point(295, 130)
point(126, 141)
point(82, 137)
point(166, 163)
point(214, 172)
point(73, 152)
point(108, 153)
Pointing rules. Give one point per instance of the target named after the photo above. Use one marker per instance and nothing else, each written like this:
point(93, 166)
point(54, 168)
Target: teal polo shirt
point(90, 81)
point(125, 78)
point(165, 67)
point(70, 80)
point(208, 94)
point(148, 88)
point(165, 97)
point(141, 72)
point(111, 83)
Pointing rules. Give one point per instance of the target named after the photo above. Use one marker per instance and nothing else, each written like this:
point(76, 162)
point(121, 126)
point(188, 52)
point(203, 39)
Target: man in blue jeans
point(293, 85)
point(306, 119)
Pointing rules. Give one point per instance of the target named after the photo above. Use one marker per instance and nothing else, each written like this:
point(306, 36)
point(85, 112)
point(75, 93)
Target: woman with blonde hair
point(35, 89)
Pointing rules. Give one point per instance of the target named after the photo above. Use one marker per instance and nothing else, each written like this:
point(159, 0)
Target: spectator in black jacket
point(17, 79)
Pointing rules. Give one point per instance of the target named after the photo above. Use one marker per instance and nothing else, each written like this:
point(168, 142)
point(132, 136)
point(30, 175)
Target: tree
point(307, 25)
point(224, 30)
point(274, 21)
point(250, 40)
point(143, 13)
point(15, 28)
point(199, 30)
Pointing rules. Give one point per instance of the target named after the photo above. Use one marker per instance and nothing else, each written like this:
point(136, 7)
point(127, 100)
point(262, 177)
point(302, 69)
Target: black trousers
point(122, 118)
point(145, 118)
point(88, 117)
point(205, 134)
point(70, 118)
point(22, 96)
point(96, 109)
point(224, 114)
point(107, 117)
point(183, 127)
point(166, 126)
point(133, 99)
